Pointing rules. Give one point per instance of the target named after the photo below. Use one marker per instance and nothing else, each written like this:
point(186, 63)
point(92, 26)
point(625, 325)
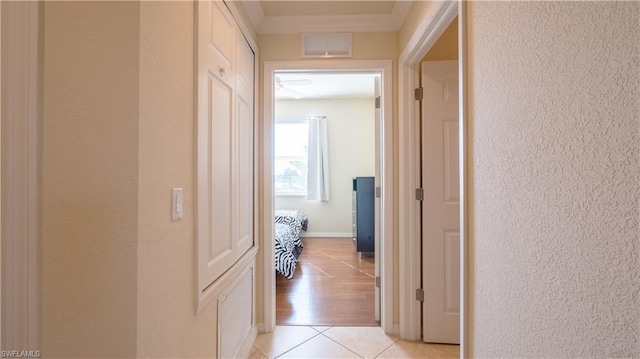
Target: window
point(290, 157)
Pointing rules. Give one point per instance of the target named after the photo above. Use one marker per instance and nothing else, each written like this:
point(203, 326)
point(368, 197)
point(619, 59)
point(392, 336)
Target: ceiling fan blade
point(301, 82)
point(286, 91)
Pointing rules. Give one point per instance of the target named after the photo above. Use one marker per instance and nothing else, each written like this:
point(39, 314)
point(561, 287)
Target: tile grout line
point(395, 341)
point(358, 355)
point(299, 344)
point(387, 348)
point(260, 351)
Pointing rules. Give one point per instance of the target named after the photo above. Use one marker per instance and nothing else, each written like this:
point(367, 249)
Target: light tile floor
point(343, 342)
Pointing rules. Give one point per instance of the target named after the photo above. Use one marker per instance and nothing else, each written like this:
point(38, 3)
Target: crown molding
point(400, 12)
point(326, 23)
point(255, 13)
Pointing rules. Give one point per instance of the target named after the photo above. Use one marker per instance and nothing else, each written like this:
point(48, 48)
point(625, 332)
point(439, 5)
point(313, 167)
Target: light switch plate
point(176, 203)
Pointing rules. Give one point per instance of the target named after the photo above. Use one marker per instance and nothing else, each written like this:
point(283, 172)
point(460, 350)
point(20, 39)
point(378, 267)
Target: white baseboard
point(326, 234)
point(245, 349)
point(395, 329)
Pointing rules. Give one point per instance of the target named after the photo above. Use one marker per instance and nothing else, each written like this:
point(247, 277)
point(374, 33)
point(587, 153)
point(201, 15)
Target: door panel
point(222, 28)
point(451, 193)
point(452, 272)
point(244, 137)
point(220, 171)
point(440, 211)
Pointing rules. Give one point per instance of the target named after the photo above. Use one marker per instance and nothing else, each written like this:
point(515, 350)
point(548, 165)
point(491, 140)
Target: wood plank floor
point(332, 286)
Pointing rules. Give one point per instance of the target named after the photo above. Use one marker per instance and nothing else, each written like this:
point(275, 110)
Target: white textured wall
point(351, 142)
point(555, 165)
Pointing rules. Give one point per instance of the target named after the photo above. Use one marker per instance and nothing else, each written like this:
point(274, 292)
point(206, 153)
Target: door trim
point(465, 185)
point(426, 34)
point(266, 174)
point(20, 174)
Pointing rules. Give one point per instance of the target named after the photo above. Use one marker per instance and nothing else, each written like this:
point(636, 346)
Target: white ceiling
point(303, 8)
point(300, 16)
point(327, 85)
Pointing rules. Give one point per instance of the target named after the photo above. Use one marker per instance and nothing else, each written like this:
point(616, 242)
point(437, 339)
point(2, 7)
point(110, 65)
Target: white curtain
point(318, 160)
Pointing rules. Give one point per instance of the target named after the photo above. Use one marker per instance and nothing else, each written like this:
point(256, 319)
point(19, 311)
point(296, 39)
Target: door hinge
point(419, 194)
point(419, 93)
point(420, 295)
point(377, 282)
point(378, 102)
point(378, 192)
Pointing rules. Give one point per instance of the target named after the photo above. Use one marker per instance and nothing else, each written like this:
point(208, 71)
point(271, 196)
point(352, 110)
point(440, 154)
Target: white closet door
point(225, 142)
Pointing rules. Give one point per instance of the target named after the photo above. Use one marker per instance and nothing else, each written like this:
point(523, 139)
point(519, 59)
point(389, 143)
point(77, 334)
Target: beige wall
point(366, 46)
point(118, 273)
point(446, 48)
point(555, 154)
point(90, 179)
point(167, 324)
point(351, 142)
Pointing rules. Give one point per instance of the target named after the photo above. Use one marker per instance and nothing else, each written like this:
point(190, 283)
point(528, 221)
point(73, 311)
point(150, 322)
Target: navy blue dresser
point(363, 214)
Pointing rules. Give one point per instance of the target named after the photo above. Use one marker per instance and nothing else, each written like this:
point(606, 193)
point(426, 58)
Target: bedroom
point(330, 283)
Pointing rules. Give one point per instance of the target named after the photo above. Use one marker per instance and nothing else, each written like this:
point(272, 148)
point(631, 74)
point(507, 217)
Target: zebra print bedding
point(292, 217)
point(285, 250)
point(288, 246)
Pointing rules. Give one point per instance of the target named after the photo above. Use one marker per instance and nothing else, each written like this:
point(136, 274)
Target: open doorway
point(326, 167)
point(383, 278)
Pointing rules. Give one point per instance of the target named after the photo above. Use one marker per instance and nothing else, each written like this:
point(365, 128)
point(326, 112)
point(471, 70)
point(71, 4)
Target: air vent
point(235, 316)
point(326, 45)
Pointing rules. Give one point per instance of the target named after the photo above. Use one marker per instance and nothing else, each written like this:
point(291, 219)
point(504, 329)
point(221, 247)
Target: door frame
point(21, 174)
point(426, 34)
point(386, 145)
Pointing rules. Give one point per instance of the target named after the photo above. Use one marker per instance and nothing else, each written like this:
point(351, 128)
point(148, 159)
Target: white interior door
point(378, 166)
point(441, 205)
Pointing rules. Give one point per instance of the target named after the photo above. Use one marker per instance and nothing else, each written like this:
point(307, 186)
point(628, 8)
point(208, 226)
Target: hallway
point(108, 163)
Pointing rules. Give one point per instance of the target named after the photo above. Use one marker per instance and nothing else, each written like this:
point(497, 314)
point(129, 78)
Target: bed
point(288, 246)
